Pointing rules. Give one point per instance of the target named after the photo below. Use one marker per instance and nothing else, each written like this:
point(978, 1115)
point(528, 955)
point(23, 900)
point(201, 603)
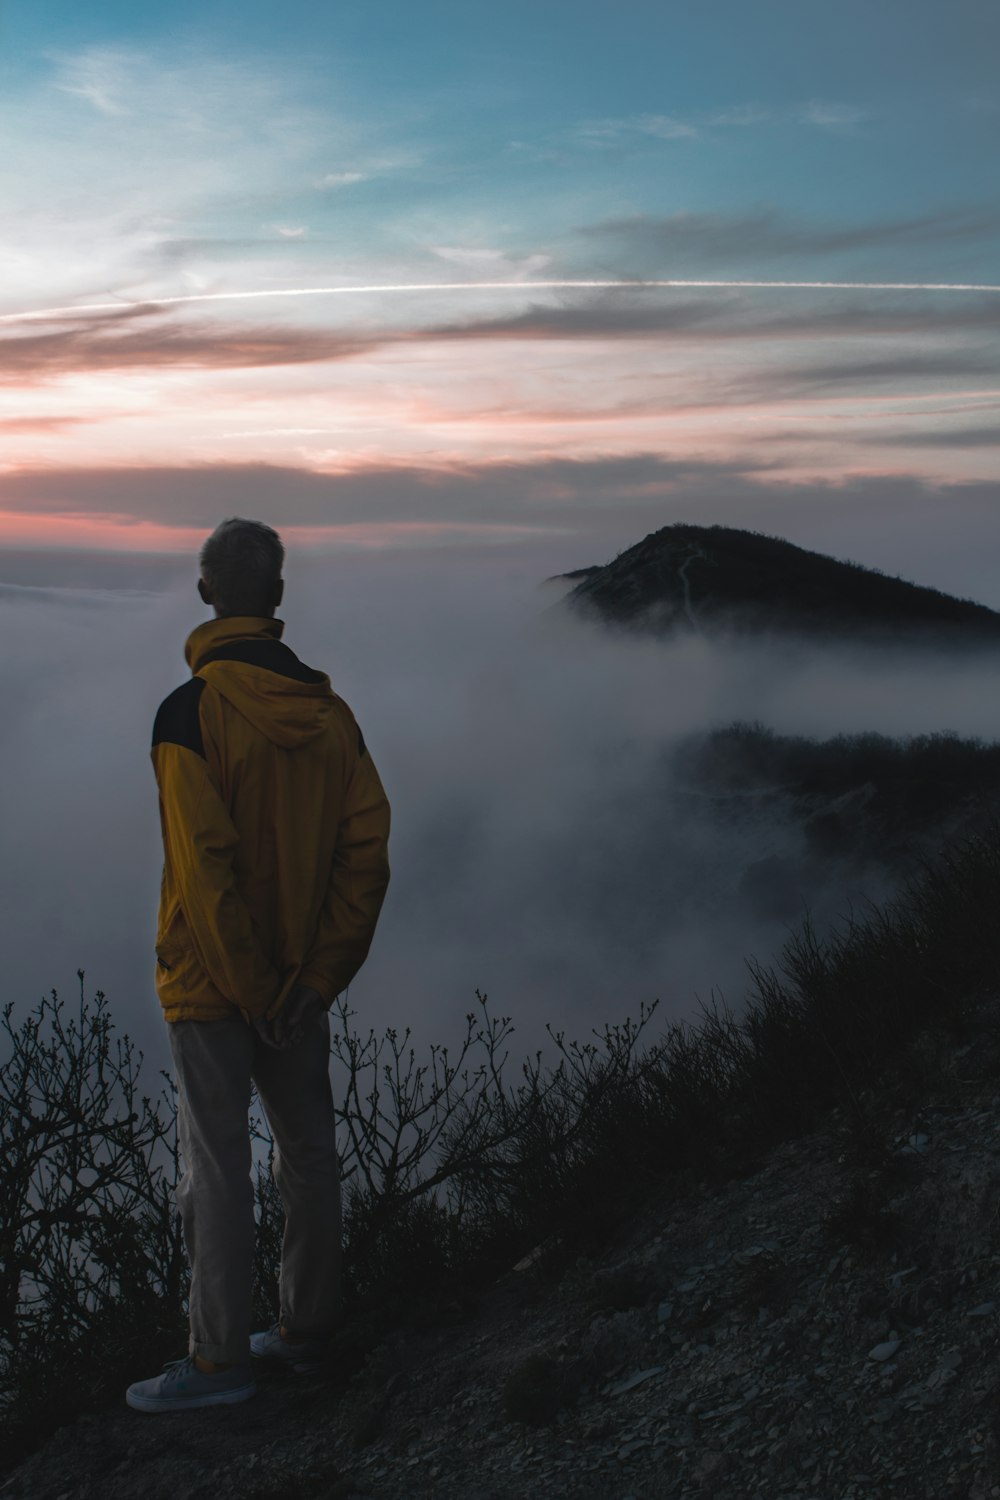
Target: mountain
point(719, 579)
point(804, 821)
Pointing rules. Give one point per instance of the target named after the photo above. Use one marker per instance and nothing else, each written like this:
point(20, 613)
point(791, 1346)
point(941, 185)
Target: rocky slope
point(825, 1325)
point(718, 579)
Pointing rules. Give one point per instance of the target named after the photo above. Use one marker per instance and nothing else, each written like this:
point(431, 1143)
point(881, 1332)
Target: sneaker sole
point(186, 1403)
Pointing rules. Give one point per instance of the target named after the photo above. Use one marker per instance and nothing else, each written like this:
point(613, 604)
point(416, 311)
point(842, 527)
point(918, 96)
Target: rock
point(630, 1384)
point(527, 1261)
point(886, 1408)
point(885, 1350)
point(636, 1445)
point(916, 1145)
point(710, 1468)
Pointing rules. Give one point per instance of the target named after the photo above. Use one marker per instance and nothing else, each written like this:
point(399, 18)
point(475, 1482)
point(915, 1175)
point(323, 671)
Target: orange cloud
point(143, 338)
point(16, 426)
point(117, 534)
point(109, 533)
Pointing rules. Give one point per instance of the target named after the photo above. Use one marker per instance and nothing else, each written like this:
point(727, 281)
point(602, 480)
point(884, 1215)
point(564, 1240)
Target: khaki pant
point(214, 1062)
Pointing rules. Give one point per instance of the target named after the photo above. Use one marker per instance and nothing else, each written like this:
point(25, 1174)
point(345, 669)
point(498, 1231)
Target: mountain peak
point(719, 580)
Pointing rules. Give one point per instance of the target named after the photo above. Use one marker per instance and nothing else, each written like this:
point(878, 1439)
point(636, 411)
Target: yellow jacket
point(275, 829)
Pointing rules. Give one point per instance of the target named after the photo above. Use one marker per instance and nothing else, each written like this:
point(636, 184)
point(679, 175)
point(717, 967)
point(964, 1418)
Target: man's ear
point(203, 591)
point(279, 590)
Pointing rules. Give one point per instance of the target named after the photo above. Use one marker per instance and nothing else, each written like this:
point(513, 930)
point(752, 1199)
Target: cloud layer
point(520, 751)
point(766, 235)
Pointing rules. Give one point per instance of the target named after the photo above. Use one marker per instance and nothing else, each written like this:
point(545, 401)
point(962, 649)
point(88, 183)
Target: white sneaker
point(183, 1385)
point(303, 1358)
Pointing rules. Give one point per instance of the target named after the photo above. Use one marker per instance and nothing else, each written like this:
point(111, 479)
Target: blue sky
point(856, 109)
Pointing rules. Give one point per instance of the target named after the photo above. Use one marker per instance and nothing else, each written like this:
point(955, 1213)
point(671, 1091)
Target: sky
point(459, 297)
point(160, 153)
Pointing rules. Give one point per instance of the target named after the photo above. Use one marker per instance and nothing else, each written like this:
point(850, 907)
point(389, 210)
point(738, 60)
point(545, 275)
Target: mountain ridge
point(686, 578)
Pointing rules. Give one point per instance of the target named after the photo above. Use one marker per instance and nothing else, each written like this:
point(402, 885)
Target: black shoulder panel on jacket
point(177, 719)
point(273, 656)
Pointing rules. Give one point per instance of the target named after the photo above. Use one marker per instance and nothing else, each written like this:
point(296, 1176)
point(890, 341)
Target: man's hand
point(290, 1024)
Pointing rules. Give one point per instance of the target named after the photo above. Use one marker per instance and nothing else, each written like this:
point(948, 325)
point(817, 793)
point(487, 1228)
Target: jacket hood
point(243, 658)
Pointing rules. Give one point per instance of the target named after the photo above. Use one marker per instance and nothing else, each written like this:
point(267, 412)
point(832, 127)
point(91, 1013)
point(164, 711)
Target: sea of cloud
point(538, 854)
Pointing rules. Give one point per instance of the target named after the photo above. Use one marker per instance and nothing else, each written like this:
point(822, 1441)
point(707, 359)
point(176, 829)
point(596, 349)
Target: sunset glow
point(642, 280)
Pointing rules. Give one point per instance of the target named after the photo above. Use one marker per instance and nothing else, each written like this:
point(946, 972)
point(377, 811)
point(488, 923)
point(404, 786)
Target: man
point(275, 832)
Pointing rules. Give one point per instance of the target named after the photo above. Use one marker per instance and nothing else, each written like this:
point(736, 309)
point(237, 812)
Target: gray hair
point(241, 564)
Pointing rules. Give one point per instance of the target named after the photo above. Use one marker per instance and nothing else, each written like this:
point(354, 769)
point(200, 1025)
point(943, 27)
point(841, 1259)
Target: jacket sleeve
point(200, 841)
point(358, 880)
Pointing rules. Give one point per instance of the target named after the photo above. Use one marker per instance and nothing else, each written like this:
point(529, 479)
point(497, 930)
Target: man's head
point(241, 568)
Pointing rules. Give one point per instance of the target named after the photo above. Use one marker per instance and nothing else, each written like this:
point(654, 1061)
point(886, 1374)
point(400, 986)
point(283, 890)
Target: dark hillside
point(864, 796)
point(716, 579)
point(754, 1258)
point(744, 825)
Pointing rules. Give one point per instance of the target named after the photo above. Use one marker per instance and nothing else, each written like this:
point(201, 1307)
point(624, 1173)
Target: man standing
point(275, 832)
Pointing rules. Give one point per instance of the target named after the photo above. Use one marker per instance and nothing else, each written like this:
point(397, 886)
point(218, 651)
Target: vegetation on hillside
point(865, 797)
point(453, 1168)
point(686, 577)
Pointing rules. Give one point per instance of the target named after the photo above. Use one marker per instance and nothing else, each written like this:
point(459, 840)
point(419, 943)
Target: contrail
point(392, 288)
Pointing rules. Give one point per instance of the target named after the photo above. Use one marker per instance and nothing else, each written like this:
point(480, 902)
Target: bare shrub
point(92, 1266)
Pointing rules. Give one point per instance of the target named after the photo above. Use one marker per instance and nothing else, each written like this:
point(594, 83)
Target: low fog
point(520, 749)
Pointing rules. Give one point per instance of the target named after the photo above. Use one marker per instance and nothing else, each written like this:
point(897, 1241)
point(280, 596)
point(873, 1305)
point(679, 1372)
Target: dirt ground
point(770, 1336)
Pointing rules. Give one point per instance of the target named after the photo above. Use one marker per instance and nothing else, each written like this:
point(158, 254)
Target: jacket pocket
point(169, 955)
point(178, 972)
